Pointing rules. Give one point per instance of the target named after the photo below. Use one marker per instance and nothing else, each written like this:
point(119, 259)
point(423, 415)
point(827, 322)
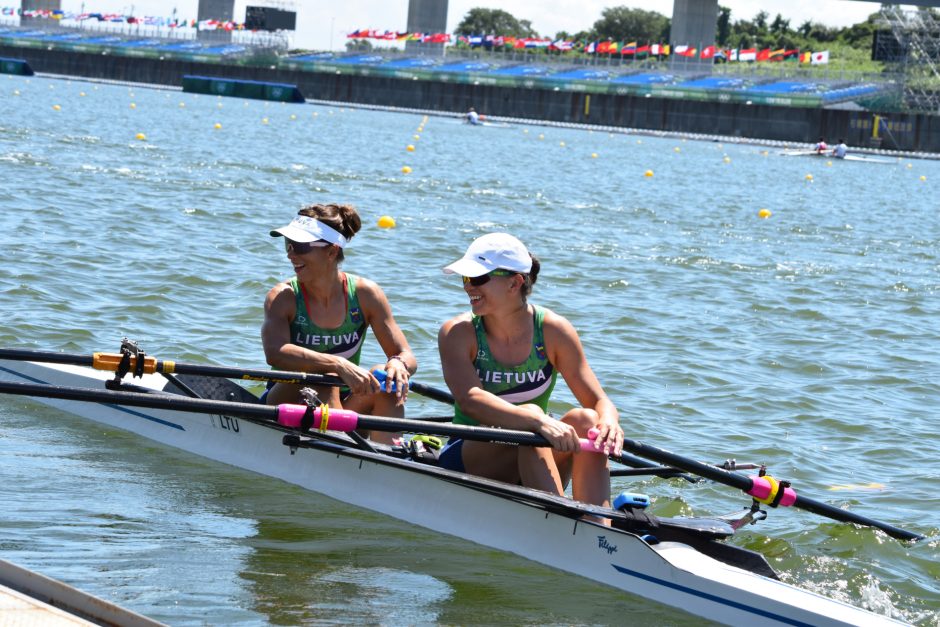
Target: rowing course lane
point(807, 341)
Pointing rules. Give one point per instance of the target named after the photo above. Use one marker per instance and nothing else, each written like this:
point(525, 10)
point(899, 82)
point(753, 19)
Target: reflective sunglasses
point(483, 279)
point(302, 248)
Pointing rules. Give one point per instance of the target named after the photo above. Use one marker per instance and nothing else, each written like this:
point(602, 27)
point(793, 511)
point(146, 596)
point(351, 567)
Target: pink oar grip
point(761, 489)
point(337, 419)
point(588, 445)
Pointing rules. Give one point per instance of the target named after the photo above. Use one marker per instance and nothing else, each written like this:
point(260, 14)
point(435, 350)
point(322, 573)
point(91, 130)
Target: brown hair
point(342, 218)
point(531, 277)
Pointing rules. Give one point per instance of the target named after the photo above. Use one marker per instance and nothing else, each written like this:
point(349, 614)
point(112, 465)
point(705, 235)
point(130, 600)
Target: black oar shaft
point(745, 483)
point(171, 402)
point(263, 412)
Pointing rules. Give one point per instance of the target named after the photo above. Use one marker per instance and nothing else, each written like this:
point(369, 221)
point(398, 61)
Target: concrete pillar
point(426, 16)
point(693, 23)
point(222, 10)
point(40, 5)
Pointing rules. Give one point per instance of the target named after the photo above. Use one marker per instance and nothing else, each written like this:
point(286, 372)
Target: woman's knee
point(582, 419)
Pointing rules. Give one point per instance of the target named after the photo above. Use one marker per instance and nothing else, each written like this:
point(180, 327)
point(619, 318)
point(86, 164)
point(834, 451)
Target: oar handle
point(325, 418)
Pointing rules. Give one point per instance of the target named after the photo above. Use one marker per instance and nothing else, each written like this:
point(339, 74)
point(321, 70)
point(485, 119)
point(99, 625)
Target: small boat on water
point(828, 155)
point(684, 563)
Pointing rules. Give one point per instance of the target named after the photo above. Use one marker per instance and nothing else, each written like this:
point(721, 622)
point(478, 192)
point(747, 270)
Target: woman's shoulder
point(464, 320)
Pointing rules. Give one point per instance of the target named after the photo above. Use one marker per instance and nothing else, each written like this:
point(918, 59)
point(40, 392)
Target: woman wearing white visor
point(500, 361)
point(317, 320)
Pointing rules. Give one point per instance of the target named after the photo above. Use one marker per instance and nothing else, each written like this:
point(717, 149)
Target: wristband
point(399, 358)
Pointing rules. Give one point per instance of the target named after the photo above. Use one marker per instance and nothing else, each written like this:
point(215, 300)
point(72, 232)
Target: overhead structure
point(914, 45)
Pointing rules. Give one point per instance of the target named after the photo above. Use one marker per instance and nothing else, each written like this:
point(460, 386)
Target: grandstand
point(642, 79)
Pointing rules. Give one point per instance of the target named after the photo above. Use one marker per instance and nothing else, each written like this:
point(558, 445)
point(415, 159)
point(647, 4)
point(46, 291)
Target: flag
point(733, 54)
point(764, 55)
point(792, 55)
point(777, 55)
point(708, 52)
point(805, 57)
point(642, 51)
point(685, 51)
point(629, 48)
point(747, 54)
point(591, 48)
point(820, 58)
point(603, 47)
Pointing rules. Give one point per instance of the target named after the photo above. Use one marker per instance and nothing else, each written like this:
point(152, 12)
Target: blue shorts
point(451, 456)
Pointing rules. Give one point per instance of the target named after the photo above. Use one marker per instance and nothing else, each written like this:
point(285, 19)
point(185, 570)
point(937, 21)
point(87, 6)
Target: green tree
point(723, 35)
point(481, 21)
point(626, 24)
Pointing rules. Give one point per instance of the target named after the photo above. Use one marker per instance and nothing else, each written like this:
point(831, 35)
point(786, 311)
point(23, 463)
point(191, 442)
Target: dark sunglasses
point(302, 248)
point(483, 279)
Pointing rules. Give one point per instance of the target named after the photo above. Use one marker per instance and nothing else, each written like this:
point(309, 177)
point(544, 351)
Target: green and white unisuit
point(345, 340)
point(531, 381)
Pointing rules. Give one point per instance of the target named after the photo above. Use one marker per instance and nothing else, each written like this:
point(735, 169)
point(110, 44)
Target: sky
point(322, 25)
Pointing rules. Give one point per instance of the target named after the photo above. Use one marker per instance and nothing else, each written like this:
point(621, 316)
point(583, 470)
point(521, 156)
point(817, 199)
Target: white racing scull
point(682, 563)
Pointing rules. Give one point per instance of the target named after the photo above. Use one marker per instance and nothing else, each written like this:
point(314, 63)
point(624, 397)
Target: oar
point(762, 488)
point(288, 415)
point(111, 361)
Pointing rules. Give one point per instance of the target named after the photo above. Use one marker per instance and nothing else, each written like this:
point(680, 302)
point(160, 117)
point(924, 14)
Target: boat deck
point(18, 609)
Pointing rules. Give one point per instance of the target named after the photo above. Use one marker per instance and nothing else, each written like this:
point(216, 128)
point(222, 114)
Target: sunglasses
point(483, 279)
point(302, 248)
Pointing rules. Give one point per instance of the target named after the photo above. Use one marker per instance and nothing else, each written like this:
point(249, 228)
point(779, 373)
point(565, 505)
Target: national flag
point(747, 54)
point(792, 55)
point(733, 54)
point(764, 55)
point(603, 47)
point(656, 49)
point(777, 55)
point(685, 51)
point(820, 58)
point(805, 57)
point(708, 52)
point(591, 48)
point(642, 51)
point(629, 48)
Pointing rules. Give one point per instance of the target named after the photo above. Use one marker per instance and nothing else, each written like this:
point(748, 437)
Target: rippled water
point(808, 341)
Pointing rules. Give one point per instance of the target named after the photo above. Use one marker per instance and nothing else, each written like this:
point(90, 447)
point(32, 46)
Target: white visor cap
point(491, 252)
point(306, 229)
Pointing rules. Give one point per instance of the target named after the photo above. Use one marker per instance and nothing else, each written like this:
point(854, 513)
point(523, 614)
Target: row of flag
point(604, 47)
point(119, 18)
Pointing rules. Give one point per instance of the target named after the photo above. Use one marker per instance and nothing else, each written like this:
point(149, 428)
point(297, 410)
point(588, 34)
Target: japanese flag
point(820, 58)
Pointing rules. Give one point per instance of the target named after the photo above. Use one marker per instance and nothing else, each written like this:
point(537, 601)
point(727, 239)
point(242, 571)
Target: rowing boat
point(685, 563)
point(827, 154)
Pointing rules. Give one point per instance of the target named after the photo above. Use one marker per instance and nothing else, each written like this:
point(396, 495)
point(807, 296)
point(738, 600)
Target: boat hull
point(671, 573)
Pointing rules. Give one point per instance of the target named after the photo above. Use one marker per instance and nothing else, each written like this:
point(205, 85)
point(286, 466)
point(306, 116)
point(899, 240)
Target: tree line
point(628, 24)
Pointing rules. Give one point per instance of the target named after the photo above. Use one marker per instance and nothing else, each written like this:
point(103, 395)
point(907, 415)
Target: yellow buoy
point(182, 104)
point(829, 164)
point(420, 129)
point(217, 126)
point(909, 166)
point(386, 222)
point(416, 137)
point(133, 106)
point(727, 159)
point(923, 178)
point(764, 213)
point(56, 108)
point(264, 120)
point(593, 155)
point(406, 170)
point(140, 136)
point(648, 174)
point(410, 148)
point(81, 93)
point(677, 149)
point(293, 116)
point(809, 177)
point(16, 92)
point(562, 144)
